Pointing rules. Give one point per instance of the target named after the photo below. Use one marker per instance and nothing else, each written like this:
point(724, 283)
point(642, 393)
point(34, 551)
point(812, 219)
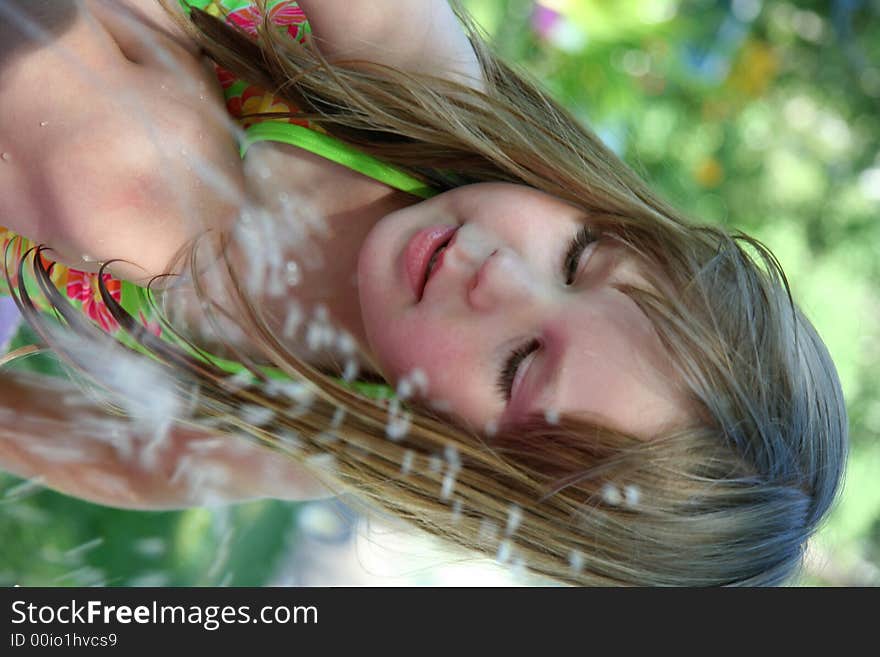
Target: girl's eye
point(584, 237)
point(508, 374)
point(581, 241)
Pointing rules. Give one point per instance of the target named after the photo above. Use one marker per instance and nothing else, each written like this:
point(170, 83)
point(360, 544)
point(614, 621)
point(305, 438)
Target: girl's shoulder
point(98, 135)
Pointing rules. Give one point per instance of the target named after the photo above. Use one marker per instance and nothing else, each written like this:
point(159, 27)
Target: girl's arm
point(51, 432)
point(416, 35)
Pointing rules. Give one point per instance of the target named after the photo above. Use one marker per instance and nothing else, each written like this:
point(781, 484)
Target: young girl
point(583, 382)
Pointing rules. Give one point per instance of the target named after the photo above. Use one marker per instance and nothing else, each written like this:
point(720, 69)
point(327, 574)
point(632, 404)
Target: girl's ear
point(51, 432)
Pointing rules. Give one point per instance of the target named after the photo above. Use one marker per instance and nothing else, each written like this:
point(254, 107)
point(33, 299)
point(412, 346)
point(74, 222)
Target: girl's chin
point(379, 270)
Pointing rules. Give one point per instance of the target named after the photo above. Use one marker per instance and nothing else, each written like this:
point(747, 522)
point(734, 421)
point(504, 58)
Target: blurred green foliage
point(54, 540)
point(760, 115)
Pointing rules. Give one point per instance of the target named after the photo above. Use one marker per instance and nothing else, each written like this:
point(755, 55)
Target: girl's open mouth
point(423, 255)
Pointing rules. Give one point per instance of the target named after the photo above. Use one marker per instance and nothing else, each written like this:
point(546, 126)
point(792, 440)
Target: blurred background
point(760, 115)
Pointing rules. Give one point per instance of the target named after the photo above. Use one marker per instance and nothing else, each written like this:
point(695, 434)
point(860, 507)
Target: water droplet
point(257, 415)
point(611, 494)
point(5, 157)
point(351, 370)
point(435, 463)
point(322, 522)
point(576, 561)
point(321, 313)
point(398, 427)
point(294, 390)
point(504, 550)
point(448, 485)
point(319, 337)
point(407, 463)
point(338, 416)
point(514, 518)
point(292, 321)
point(87, 258)
point(452, 458)
point(345, 344)
point(291, 439)
point(631, 494)
point(293, 275)
point(238, 381)
point(75, 552)
point(150, 547)
point(552, 416)
point(43, 124)
point(404, 389)
point(323, 461)
point(326, 438)
point(419, 380)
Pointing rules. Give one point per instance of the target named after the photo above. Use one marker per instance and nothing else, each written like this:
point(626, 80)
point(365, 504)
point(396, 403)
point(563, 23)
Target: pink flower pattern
point(284, 14)
point(83, 286)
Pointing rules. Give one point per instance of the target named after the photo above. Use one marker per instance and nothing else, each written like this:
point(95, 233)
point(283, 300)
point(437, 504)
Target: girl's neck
point(350, 205)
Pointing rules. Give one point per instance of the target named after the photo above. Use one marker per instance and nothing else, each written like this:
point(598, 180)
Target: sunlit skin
point(607, 360)
point(501, 284)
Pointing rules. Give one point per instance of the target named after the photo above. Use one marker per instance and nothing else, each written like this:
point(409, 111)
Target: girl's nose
point(501, 280)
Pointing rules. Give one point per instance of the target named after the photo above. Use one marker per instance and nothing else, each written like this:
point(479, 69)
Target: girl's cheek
point(442, 369)
point(448, 369)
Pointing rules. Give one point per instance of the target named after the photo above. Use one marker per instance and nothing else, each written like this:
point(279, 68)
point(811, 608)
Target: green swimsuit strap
point(337, 151)
point(134, 298)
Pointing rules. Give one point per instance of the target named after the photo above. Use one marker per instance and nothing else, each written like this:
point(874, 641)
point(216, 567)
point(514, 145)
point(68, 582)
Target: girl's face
point(502, 286)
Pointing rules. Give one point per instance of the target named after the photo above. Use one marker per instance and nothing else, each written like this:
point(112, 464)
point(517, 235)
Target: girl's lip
point(418, 253)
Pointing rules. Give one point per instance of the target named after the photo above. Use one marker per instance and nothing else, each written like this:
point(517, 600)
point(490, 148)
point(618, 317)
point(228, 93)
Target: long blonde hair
point(730, 499)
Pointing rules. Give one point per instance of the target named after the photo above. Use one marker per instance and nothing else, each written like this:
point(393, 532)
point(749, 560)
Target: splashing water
point(275, 233)
point(576, 561)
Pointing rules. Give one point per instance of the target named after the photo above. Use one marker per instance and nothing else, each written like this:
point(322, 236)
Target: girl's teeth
point(434, 259)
